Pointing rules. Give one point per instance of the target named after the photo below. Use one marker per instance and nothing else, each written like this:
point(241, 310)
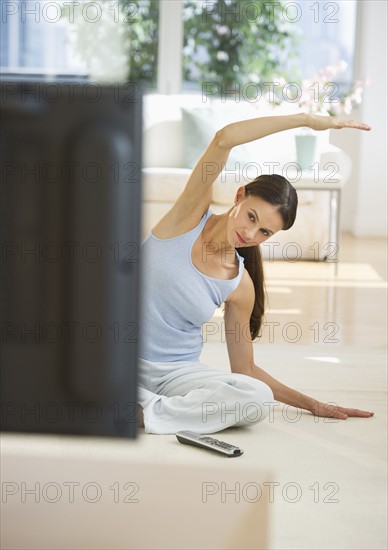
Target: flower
point(222, 30)
point(321, 94)
point(222, 56)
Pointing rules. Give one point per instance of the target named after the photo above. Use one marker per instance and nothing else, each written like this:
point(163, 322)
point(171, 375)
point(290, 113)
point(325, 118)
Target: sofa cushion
point(201, 123)
point(163, 144)
point(163, 133)
point(163, 184)
point(199, 127)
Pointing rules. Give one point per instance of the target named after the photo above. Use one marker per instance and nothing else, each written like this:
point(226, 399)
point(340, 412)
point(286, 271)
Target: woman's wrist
point(306, 120)
point(307, 403)
point(292, 397)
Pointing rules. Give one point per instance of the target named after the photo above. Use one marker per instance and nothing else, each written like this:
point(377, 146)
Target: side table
point(332, 181)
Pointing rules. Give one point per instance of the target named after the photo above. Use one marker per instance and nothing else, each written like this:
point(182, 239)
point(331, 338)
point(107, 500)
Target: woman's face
point(252, 221)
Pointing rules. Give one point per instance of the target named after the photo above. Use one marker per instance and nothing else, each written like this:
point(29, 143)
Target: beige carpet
point(322, 482)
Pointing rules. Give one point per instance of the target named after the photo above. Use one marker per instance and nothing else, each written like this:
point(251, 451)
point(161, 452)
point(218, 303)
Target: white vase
point(306, 150)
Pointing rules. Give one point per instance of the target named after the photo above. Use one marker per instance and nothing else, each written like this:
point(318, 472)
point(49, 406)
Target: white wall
point(364, 209)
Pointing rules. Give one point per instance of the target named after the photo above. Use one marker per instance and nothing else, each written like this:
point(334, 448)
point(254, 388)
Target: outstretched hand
point(318, 122)
point(333, 411)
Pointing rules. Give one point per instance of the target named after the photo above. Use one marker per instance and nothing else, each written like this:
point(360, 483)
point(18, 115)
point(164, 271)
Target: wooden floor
point(349, 308)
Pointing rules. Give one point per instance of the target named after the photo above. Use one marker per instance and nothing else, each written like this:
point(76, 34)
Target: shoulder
point(178, 221)
point(244, 295)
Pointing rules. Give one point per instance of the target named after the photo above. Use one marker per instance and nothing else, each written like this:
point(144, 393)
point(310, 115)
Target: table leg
point(334, 234)
point(337, 228)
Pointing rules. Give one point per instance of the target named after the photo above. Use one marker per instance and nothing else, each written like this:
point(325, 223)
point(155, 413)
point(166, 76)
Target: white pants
point(190, 396)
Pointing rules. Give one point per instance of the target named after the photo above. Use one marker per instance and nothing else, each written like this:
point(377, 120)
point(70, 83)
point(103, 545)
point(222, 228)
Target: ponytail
point(253, 263)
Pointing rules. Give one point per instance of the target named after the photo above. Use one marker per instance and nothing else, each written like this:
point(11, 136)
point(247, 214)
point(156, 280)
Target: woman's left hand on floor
point(334, 411)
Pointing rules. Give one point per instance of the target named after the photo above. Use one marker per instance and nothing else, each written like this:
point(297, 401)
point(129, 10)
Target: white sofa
point(177, 129)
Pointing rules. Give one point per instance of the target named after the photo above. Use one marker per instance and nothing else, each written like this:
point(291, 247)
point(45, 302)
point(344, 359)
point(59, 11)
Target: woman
point(193, 261)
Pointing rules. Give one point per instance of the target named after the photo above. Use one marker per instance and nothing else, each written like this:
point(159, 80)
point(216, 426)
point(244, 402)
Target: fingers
point(338, 414)
point(360, 126)
point(355, 125)
point(329, 410)
point(342, 413)
point(356, 412)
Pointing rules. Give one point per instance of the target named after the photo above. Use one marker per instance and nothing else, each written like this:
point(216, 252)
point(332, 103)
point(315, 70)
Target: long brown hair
point(278, 191)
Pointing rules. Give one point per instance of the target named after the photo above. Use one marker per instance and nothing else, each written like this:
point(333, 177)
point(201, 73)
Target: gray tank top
point(177, 298)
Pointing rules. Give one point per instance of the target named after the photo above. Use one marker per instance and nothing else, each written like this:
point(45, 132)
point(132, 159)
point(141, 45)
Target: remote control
point(207, 442)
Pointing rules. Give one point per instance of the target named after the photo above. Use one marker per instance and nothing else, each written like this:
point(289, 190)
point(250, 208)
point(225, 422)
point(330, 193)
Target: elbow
point(247, 368)
point(222, 138)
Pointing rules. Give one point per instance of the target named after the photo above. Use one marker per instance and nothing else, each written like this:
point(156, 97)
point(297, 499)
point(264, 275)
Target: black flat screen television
point(71, 156)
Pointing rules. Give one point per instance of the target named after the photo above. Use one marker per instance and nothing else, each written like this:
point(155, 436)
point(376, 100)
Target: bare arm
point(237, 314)
point(197, 194)
point(244, 131)
point(214, 158)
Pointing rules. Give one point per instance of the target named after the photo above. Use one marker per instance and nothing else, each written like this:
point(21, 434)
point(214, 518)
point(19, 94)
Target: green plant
point(143, 25)
point(237, 41)
point(122, 42)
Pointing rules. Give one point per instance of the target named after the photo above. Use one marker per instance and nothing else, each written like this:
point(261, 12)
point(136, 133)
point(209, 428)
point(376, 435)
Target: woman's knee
point(257, 401)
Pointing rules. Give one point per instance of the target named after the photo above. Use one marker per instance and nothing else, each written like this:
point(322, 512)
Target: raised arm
point(212, 162)
point(244, 131)
point(214, 158)
point(197, 194)
point(238, 133)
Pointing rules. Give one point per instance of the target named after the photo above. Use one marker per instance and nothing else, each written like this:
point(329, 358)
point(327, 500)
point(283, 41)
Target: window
point(246, 41)
point(34, 39)
point(107, 40)
point(221, 40)
point(328, 35)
